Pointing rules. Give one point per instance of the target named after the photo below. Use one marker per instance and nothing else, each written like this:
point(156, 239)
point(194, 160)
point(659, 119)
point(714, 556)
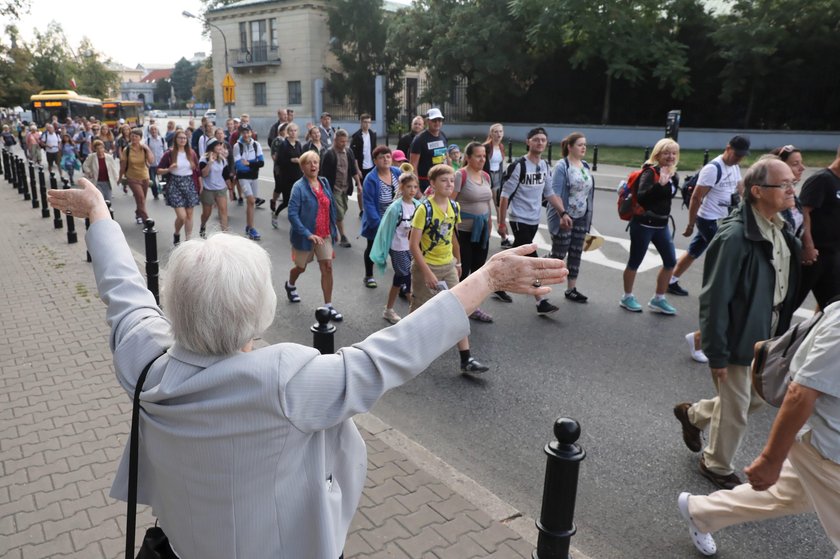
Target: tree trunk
point(605, 114)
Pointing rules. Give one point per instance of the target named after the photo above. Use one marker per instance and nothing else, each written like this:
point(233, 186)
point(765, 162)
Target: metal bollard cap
point(150, 224)
point(567, 432)
point(322, 315)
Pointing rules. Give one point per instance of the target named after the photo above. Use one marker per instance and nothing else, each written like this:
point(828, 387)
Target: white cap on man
point(434, 114)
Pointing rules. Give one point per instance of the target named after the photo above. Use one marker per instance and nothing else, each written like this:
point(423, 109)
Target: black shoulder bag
point(155, 543)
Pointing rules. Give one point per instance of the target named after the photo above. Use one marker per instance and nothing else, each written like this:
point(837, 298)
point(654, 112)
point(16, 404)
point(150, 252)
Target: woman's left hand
point(566, 222)
point(85, 202)
point(511, 270)
point(316, 239)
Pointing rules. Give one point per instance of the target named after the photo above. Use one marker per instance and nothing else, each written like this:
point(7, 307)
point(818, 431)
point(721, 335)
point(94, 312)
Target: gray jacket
point(252, 455)
point(561, 188)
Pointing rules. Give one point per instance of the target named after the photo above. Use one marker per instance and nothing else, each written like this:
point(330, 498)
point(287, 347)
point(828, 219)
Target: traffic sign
point(229, 90)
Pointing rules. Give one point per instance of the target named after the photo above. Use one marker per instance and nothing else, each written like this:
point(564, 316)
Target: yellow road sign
point(229, 90)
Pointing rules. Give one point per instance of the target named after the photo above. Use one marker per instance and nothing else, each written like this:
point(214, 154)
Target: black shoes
point(473, 367)
point(503, 296)
point(259, 202)
point(676, 289)
point(545, 307)
point(730, 481)
point(574, 295)
point(691, 434)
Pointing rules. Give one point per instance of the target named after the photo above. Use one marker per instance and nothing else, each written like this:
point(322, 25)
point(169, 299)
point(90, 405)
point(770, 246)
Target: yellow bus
point(115, 109)
point(63, 104)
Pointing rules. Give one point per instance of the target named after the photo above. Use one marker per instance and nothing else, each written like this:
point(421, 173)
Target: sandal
point(370, 283)
point(335, 316)
point(291, 293)
point(481, 316)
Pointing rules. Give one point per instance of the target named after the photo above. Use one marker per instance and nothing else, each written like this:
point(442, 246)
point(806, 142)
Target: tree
point(13, 8)
point(163, 91)
point(183, 79)
point(92, 74)
point(358, 39)
point(203, 90)
point(15, 71)
point(620, 37)
point(51, 62)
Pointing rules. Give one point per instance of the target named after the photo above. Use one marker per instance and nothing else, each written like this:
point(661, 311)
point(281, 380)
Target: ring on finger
point(537, 283)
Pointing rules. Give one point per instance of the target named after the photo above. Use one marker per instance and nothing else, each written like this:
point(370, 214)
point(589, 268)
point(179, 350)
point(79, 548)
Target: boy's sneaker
point(676, 289)
point(630, 303)
point(506, 243)
point(545, 307)
point(473, 367)
point(253, 234)
point(202, 232)
point(344, 242)
point(503, 296)
point(240, 202)
point(661, 306)
point(391, 316)
point(291, 293)
point(274, 223)
point(259, 202)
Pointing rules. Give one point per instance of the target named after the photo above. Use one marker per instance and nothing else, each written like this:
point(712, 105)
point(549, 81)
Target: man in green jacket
point(750, 280)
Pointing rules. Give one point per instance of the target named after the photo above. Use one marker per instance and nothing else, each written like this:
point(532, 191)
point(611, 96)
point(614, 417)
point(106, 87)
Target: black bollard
point(33, 187)
point(595, 159)
point(57, 223)
point(4, 165)
point(152, 264)
point(71, 221)
point(323, 333)
point(705, 157)
point(647, 153)
point(556, 524)
point(12, 171)
point(510, 151)
point(23, 187)
point(87, 226)
point(42, 183)
point(549, 154)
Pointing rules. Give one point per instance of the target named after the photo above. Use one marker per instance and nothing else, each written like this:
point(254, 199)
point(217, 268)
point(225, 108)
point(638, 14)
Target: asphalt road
point(619, 374)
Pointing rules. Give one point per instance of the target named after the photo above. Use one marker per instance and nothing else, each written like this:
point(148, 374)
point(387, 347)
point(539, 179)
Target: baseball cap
point(741, 145)
point(398, 156)
point(245, 127)
point(325, 114)
point(534, 131)
point(434, 114)
point(453, 147)
point(122, 121)
point(211, 144)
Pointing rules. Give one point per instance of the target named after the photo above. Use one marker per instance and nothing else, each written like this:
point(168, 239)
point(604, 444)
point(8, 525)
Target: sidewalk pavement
point(64, 422)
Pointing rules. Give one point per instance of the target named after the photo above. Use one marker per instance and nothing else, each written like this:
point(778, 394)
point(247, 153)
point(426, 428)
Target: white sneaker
point(696, 354)
point(391, 316)
point(703, 541)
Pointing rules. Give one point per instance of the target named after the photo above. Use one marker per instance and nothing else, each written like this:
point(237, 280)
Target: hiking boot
point(661, 306)
point(676, 289)
point(473, 367)
point(630, 303)
point(545, 307)
point(729, 481)
point(691, 434)
point(391, 316)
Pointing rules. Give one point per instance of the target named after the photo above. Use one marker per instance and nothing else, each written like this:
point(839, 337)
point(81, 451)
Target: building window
point(272, 33)
point(243, 36)
point(295, 97)
point(259, 94)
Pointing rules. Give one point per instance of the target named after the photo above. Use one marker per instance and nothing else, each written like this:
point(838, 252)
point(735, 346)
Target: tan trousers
point(726, 416)
point(808, 482)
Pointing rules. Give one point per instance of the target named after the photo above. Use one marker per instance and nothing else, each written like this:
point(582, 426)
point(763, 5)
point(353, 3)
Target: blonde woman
point(654, 195)
point(494, 163)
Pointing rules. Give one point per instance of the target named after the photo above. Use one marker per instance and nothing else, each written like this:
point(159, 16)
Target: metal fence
point(455, 107)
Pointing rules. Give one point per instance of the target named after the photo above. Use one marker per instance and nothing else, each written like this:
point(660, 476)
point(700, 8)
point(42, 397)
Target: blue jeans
point(706, 229)
point(640, 238)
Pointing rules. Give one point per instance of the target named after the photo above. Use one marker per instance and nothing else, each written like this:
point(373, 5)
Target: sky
point(130, 33)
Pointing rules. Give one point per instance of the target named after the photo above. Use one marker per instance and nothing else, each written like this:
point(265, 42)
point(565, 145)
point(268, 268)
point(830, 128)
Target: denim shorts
point(640, 238)
point(706, 229)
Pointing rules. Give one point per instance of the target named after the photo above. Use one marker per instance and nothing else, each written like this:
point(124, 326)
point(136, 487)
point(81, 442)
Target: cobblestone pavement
point(64, 422)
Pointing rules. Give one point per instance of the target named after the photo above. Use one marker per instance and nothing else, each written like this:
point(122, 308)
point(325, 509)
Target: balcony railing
point(257, 55)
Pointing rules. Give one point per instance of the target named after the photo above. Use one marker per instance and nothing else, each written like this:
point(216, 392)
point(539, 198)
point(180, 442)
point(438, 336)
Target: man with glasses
point(749, 289)
point(821, 234)
point(715, 195)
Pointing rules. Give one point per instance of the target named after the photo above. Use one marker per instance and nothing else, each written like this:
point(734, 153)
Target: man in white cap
point(429, 147)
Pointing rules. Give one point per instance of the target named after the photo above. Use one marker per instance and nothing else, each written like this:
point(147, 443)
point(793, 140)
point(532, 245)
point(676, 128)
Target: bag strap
point(133, 458)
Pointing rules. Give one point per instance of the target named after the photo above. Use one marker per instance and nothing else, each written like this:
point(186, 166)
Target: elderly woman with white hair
point(252, 453)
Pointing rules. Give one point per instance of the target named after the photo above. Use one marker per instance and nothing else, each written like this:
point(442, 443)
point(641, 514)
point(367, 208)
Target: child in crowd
point(392, 238)
point(69, 161)
point(435, 252)
point(454, 154)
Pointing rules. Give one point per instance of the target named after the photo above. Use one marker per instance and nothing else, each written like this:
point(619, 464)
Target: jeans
point(640, 238)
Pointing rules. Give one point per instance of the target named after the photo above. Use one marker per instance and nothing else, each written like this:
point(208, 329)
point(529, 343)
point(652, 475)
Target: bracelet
point(563, 213)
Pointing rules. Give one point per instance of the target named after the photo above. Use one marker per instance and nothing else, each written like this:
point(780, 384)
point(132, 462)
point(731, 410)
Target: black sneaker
point(503, 296)
point(545, 307)
point(473, 367)
point(574, 295)
point(273, 205)
point(259, 202)
point(506, 243)
point(176, 239)
point(676, 289)
point(202, 232)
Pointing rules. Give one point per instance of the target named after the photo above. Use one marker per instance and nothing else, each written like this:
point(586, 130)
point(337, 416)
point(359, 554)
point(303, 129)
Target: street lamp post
point(185, 13)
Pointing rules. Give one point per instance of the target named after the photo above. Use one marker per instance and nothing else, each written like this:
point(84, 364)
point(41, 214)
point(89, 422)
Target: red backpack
point(628, 204)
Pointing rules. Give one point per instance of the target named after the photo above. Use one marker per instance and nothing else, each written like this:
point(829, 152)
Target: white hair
point(218, 293)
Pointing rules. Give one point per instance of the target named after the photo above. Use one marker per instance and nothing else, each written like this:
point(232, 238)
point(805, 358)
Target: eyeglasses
point(788, 148)
point(784, 185)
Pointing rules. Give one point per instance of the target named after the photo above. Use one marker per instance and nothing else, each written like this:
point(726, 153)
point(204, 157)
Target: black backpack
point(520, 161)
point(688, 186)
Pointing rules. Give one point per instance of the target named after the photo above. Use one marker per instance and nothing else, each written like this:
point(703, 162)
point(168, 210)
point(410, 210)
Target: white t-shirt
point(183, 169)
point(367, 160)
point(496, 160)
point(717, 201)
point(400, 241)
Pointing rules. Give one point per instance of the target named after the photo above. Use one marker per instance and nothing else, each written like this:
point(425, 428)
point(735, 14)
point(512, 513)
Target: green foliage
point(51, 59)
point(203, 90)
point(183, 79)
point(17, 80)
point(13, 9)
point(92, 74)
point(359, 33)
point(163, 91)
